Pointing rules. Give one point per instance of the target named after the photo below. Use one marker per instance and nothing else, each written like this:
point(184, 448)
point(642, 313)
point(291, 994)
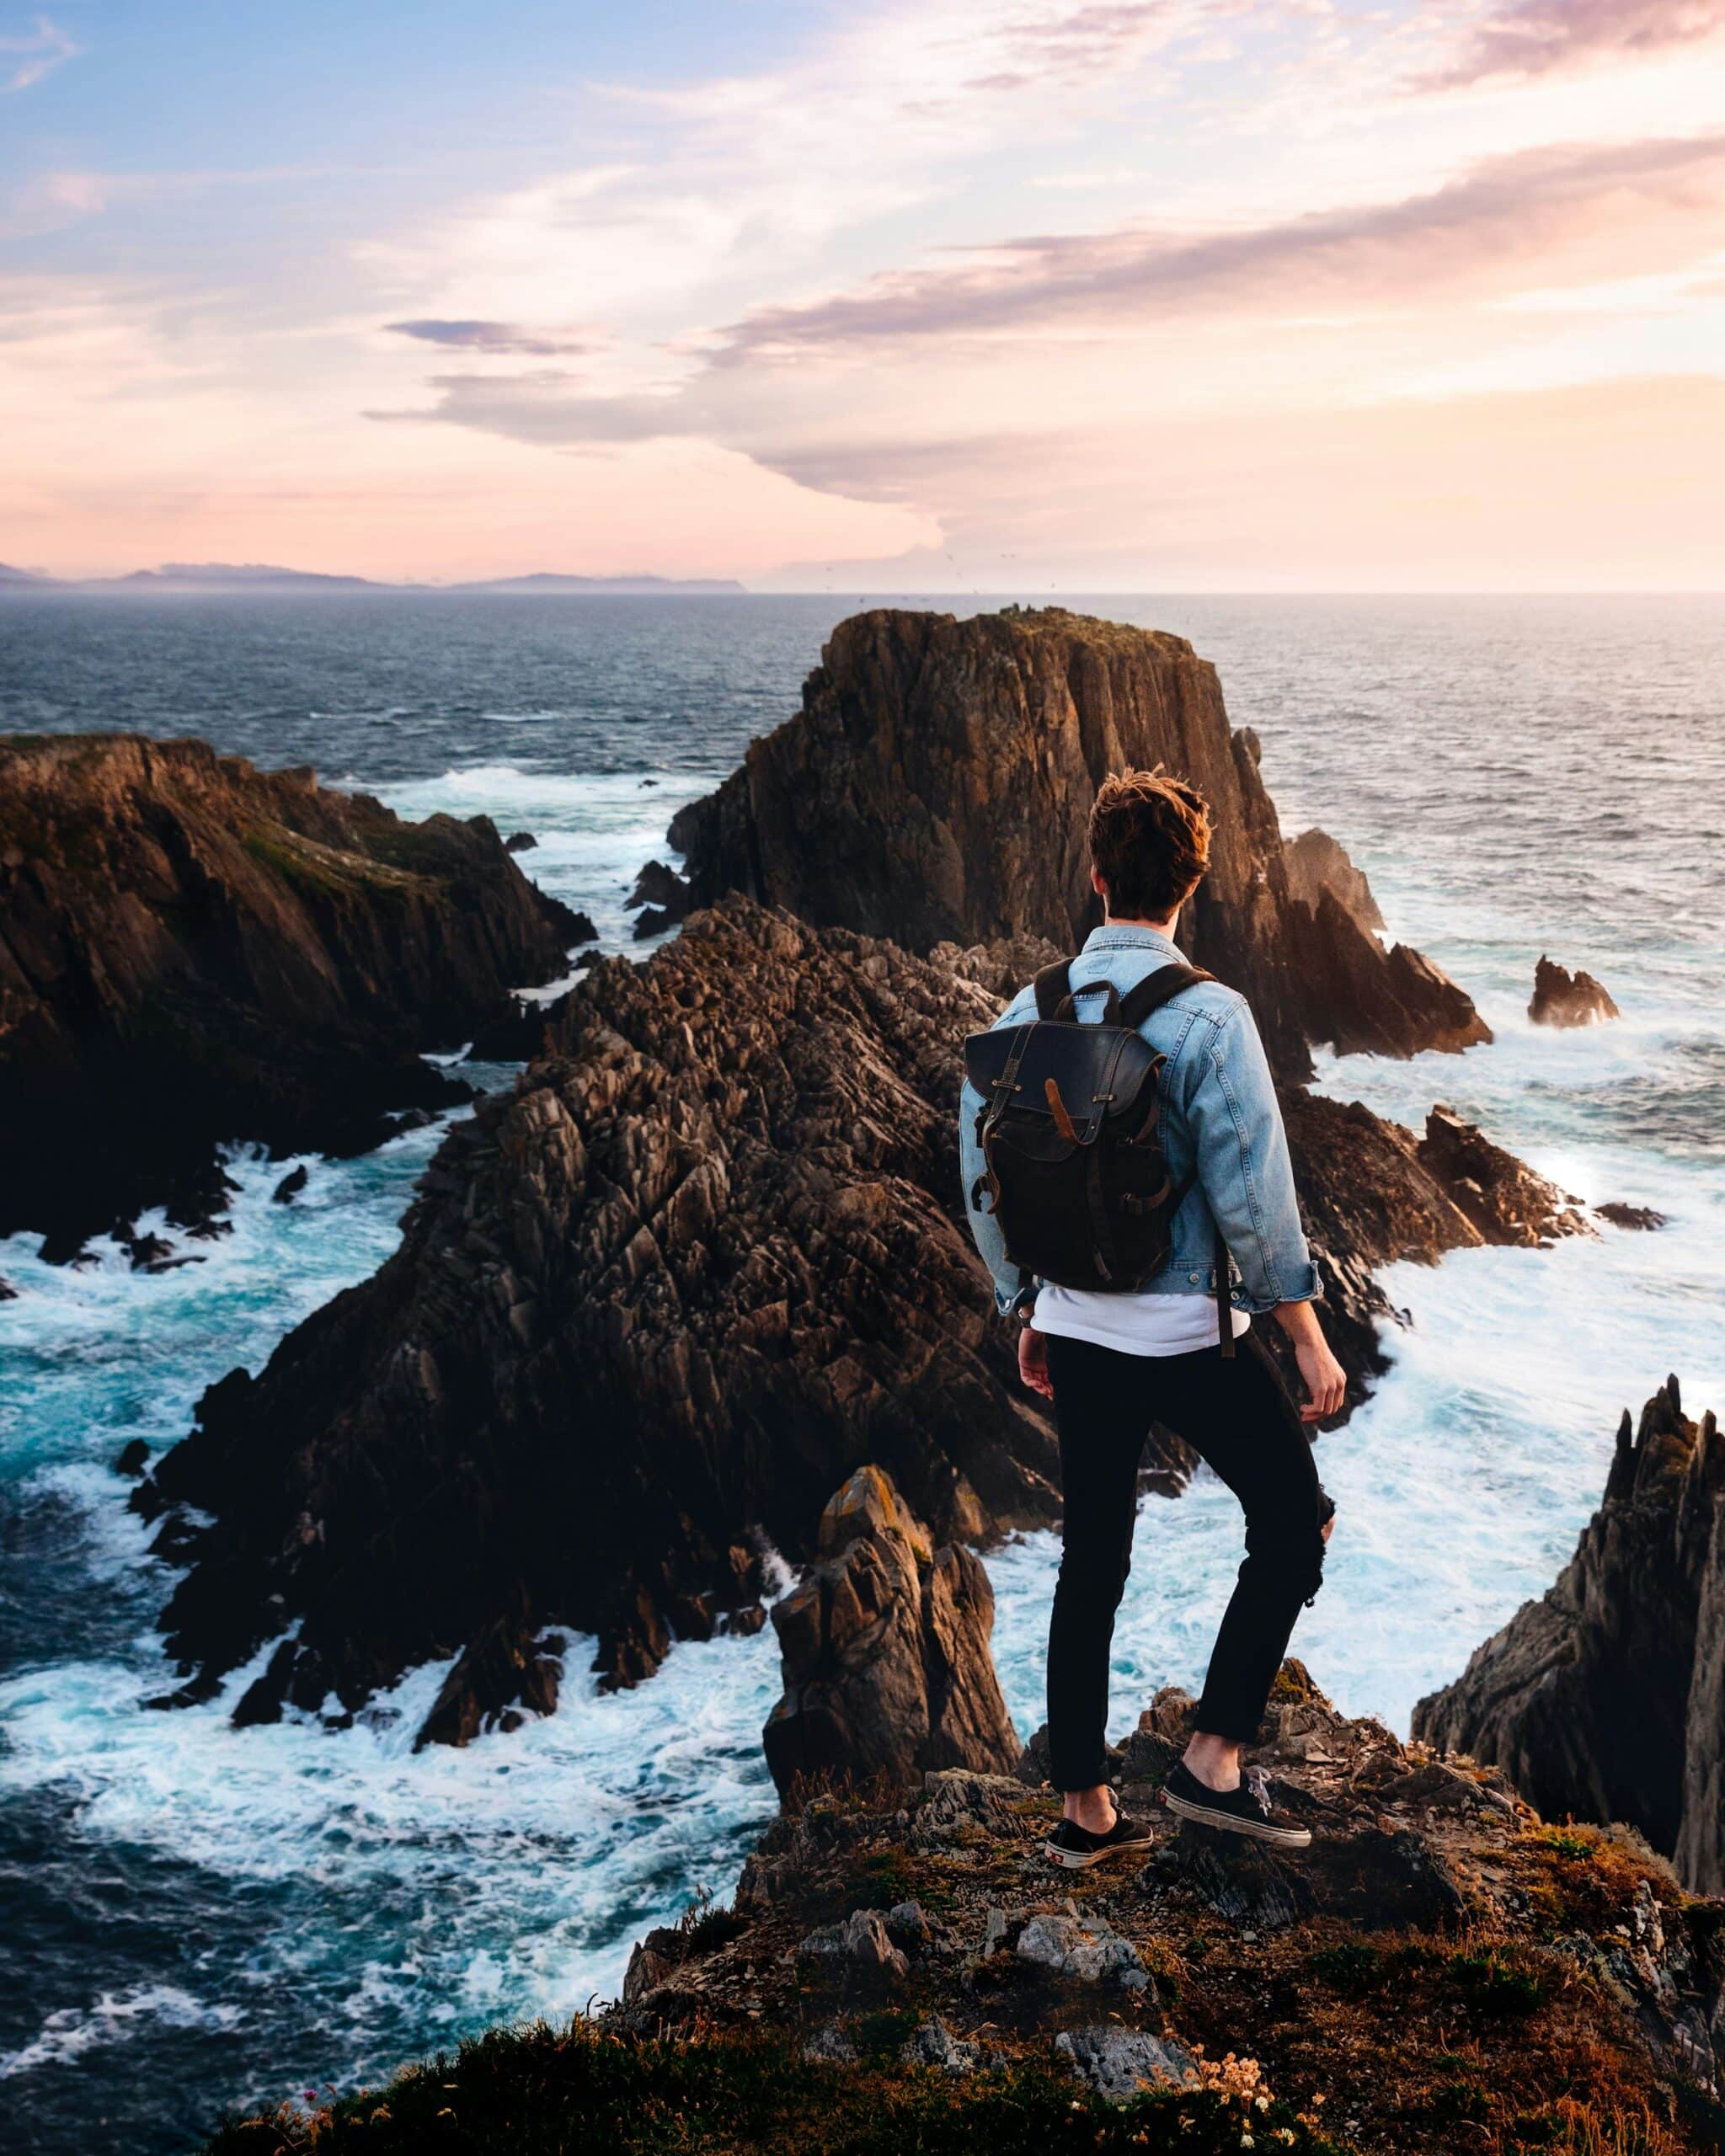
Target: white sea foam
point(70, 2031)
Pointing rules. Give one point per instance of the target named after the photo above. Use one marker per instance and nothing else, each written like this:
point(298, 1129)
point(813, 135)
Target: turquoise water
point(198, 1915)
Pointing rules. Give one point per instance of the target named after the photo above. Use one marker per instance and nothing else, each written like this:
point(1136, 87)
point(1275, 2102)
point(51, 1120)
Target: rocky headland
point(193, 951)
point(709, 1258)
point(1605, 1699)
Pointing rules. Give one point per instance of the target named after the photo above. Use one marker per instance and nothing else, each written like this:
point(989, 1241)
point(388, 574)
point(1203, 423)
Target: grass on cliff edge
point(584, 2091)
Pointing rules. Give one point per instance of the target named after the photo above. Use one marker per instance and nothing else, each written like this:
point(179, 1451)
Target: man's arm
point(1240, 1151)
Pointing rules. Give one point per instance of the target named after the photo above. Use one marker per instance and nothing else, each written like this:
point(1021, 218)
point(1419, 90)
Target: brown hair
point(1149, 842)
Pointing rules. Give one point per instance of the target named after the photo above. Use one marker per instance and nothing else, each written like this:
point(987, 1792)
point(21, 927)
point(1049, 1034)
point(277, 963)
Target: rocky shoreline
point(193, 951)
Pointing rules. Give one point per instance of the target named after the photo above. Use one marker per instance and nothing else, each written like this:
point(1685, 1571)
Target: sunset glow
point(1006, 295)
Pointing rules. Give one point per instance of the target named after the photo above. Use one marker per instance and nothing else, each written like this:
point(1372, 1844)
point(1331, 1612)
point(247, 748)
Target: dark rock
point(1316, 863)
point(291, 1186)
point(708, 1216)
point(860, 1947)
point(520, 842)
point(1242, 1882)
point(663, 896)
point(8, 1294)
point(1505, 1200)
point(196, 950)
point(507, 1661)
point(887, 1668)
point(134, 1458)
point(1641, 1217)
point(1605, 1699)
point(865, 811)
point(1566, 999)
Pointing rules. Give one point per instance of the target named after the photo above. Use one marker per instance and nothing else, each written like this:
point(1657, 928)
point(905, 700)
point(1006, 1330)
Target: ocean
point(193, 1919)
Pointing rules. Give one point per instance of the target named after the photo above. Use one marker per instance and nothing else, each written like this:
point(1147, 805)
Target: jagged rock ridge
point(700, 1265)
point(936, 784)
point(192, 950)
point(1605, 1699)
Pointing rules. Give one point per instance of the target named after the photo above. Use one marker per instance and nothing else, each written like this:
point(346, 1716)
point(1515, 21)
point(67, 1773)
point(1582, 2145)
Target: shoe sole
point(1230, 1822)
point(1082, 1861)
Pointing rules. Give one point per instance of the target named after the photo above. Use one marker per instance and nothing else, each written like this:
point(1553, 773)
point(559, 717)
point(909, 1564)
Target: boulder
point(1121, 2063)
point(520, 842)
point(1316, 863)
point(1566, 999)
point(936, 786)
point(1605, 1699)
point(885, 1644)
point(196, 950)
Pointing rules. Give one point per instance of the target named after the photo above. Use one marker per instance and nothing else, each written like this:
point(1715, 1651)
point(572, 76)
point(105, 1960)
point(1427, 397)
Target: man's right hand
point(1326, 1380)
point(1032, 1361)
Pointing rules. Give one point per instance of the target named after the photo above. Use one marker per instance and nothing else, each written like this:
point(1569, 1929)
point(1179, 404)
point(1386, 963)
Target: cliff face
point(1606, 1698)
point(936, 785)
point(192, 950)
point(702, 1265)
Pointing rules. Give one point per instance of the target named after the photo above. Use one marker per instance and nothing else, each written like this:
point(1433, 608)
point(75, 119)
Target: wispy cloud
point(503, 337)
point(1573, 212)
point(1531, 38)
point(27, 56)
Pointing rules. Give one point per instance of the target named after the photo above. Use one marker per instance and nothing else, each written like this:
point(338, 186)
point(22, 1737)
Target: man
point(1113, 1362)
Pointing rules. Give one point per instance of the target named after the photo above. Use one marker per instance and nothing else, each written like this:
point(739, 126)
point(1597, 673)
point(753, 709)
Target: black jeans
point(1236, 1413)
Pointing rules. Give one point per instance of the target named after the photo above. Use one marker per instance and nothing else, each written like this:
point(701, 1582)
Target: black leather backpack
point(1071, 1132)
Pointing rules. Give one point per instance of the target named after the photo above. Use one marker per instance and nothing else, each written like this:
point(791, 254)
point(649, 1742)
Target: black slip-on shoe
point(1075, 1849)
point(1247, 1810)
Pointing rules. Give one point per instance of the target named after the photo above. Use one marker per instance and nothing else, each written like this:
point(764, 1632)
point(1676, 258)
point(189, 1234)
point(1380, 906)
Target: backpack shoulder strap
point(1053, 987)
point(1154, 990)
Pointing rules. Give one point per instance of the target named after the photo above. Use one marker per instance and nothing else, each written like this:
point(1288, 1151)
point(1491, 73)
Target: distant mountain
point(227, 576)
point(264, 578)
point(550, 582)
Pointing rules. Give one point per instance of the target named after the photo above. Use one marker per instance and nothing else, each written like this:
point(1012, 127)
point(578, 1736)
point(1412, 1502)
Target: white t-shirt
point(1142, 1324)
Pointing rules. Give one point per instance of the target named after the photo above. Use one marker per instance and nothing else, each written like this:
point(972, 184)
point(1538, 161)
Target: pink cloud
point(1543, 37)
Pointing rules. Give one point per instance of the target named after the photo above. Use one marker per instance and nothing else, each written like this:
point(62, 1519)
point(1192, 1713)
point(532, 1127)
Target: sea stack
point(1566, 999)
point(869, 810)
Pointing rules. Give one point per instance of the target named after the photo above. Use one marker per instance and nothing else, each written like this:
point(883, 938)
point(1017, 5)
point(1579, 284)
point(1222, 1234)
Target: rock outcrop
point(652, 1307)
point(887, 1668)
point(1372, 1193)
point(1605, 1699)
point(192, 950)
point(1566, 999)
point(1316, 862)
point(936, 785)
point(1438, 1956)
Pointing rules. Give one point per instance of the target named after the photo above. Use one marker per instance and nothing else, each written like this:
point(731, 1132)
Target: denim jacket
point(1220, 1118)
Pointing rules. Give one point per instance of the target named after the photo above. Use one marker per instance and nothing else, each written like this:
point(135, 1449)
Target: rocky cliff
point(937, 783)
point(192, 950)
point(887, 1667)
point(706, 1261)
point(1561, 998)
point(1605, 1699)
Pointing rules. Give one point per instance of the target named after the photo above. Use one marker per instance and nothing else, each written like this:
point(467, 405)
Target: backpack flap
point(1073, 1074)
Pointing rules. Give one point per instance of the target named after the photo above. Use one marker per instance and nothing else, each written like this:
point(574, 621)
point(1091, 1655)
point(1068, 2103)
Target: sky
point(997, 294)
